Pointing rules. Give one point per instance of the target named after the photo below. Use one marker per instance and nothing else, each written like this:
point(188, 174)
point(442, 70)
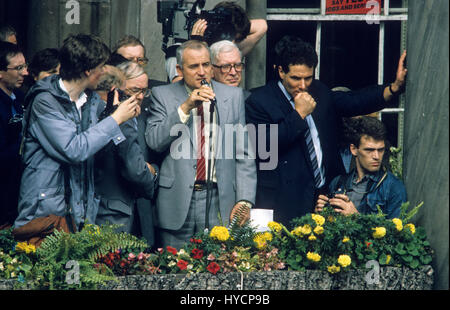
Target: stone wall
point(390, 278)
point(426, 155)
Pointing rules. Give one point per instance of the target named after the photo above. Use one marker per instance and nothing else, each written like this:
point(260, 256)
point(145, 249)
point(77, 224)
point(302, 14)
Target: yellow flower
point(318, 230)
point(274, 226)
point(334, 269)
point(268, 236)
point(306, 229)
point(312, 238)
point(388, 259)
point(344, 260)
point(411, 227)
point(261, 239)
point(379, 232)
point(313, 256)
point(346, 239)
point(220, 233)
point(319, 219)
point(398, 224)
point(331, 219)
point(300, 231)
point(25, 247)
point(297, 231)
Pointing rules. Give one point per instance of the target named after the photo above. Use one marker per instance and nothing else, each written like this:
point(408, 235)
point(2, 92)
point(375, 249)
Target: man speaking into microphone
point(209, 187)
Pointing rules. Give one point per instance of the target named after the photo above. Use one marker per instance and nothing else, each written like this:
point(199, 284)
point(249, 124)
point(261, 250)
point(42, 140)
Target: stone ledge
point(391, 278)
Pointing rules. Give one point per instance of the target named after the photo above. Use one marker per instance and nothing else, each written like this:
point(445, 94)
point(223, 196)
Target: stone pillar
point(255, 74)
point(426, 155)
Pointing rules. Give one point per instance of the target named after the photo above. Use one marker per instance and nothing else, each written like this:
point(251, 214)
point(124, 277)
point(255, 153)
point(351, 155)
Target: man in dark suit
point(307, 115)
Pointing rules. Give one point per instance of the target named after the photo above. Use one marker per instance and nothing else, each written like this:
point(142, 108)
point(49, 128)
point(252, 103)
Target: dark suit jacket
point(121, 177)
point(289, 188)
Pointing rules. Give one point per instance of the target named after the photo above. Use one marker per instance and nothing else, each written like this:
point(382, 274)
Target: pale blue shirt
point(314, 135)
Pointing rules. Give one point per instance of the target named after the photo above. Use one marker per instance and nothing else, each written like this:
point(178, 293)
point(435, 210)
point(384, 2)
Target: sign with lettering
point(353, 7)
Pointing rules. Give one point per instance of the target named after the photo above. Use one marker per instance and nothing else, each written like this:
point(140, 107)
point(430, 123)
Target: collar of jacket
point(375, 179)
point(51, 84)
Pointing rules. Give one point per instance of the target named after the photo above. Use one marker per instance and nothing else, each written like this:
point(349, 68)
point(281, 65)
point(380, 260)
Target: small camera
point(110, 107)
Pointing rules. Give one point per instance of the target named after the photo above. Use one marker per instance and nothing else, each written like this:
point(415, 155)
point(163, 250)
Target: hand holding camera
point(125, 110)
point(339, 201)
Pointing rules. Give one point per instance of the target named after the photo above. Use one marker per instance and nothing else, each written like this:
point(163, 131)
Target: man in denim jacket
point(369, 185)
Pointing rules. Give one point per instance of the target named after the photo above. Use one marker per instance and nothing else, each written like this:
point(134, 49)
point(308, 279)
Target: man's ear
point(353, 149)
point(281, 72)
point(179, 71)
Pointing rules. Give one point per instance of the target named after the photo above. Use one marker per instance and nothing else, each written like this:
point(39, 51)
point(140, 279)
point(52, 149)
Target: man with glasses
point(13, 70)
point(123, 177)
point(134, 50)
point(227, 64)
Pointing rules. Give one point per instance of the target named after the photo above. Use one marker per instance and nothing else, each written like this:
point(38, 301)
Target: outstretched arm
point(258, 28)
point(400, 79)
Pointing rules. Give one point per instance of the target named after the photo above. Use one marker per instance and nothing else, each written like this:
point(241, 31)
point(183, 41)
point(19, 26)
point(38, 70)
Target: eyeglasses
point(136, 91)
point(143, 61)
point(227, 68)
point(19, 68)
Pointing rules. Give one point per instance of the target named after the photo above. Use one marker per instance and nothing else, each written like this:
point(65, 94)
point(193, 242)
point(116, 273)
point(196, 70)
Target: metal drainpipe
point(255, 61)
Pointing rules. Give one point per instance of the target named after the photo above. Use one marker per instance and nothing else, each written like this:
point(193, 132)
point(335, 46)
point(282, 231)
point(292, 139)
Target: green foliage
point(7, 241)
point(406, 215)
point(329, 240)
point(396, 162)
point(84, 248)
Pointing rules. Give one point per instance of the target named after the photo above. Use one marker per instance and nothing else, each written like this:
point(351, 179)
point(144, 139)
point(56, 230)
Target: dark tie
point(313, 157)
point(201, 163)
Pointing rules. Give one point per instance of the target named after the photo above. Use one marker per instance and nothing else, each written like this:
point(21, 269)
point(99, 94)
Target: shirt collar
point(285, 92)
point(81, 99)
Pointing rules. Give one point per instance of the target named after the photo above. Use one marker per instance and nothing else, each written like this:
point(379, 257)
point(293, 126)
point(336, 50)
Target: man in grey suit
point(178, 123)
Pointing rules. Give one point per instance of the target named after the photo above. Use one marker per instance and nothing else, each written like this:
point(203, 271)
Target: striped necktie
point(201, 162)
point(313, 158)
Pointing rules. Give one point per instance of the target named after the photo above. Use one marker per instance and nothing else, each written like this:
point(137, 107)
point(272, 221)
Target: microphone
point(213, 101)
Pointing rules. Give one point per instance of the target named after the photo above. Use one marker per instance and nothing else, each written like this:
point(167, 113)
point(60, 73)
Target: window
point(354, 52)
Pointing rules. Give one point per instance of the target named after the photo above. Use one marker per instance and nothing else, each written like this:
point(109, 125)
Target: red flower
point(198, 241)
point(368, 244)
point(182, 264)
point(172, 250)
point(213, 267)
point(197, 254)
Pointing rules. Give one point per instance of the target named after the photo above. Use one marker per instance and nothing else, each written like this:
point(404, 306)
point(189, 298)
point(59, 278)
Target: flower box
point(390, 278)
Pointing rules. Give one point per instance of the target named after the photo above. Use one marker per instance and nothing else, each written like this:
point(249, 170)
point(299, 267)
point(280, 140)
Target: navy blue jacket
point(385, 191)
point(289, 188)
point(10, 166)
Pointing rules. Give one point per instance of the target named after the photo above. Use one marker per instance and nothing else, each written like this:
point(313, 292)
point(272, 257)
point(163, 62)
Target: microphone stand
point(209, 171)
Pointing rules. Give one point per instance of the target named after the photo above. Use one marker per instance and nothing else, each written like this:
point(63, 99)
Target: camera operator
point(238, 28)
point(369, 184)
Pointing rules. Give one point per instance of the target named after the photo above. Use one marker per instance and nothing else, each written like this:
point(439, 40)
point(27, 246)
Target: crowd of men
point(97, 140)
